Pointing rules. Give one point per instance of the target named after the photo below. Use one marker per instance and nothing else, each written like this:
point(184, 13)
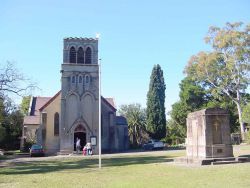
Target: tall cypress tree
point(156, 118)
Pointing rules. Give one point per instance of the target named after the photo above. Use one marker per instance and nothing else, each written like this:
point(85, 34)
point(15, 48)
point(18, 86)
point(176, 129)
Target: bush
point(27, 146)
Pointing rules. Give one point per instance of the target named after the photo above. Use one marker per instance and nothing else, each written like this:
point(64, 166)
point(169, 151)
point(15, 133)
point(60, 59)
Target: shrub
point(27, 145)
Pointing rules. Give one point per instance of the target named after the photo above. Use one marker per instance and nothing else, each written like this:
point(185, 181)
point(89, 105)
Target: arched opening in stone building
point(80, 132)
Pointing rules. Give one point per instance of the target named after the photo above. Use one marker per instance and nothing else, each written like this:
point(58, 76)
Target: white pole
point(100, 139)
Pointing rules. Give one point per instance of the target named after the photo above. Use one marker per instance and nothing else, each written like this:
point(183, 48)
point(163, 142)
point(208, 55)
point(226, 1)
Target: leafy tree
point(192, 97)
point(225, 70)
point(156, 118)
point(11, 119)
point(246, 113)
point(24, 106)
point(176, 133)
point(136, 117)
point(10, 125)
point(192, 94)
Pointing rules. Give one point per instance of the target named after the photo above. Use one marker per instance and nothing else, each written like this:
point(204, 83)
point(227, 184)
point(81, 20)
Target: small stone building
point(208, 134)
point(74, 111)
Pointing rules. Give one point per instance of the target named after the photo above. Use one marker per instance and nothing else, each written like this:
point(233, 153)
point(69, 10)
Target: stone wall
point(208, 134)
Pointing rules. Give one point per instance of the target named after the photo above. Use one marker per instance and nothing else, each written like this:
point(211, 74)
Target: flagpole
point(100, 139)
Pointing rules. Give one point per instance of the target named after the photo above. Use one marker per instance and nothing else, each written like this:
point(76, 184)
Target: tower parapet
point(78, 50)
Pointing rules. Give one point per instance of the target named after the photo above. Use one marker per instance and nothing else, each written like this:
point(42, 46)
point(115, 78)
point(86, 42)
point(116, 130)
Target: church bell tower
point(80, 93)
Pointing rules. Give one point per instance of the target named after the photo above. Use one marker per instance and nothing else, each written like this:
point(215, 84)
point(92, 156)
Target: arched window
point(56, 124)
point(87, 79)
point(80, 79)
point(73, 80)
point(88, 56)
point(72, 55)
point(80, 56)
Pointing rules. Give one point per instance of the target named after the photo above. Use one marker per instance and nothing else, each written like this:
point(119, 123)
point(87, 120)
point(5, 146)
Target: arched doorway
point(80, 132)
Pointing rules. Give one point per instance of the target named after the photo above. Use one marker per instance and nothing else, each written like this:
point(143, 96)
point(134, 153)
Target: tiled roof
point(31, 120)
point(49, 101)
point(39, 103)
point(111, 101)
point(36, 104)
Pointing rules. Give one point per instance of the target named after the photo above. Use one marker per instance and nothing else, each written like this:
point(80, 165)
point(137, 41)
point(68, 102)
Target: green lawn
point(146, 170)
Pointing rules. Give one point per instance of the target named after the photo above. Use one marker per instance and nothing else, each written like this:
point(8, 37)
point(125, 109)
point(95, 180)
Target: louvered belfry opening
point(80, 56)
point(72, 55)
point(88, 56)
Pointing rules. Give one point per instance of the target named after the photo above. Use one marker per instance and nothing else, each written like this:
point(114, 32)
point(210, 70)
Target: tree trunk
point(242, 130)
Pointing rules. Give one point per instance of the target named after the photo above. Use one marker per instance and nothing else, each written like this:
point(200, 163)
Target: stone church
point(56, 122)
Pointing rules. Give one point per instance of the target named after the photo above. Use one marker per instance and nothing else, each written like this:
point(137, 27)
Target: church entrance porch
point(80, 132)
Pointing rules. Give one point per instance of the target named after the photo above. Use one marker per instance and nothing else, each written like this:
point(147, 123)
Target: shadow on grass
point(85, 163)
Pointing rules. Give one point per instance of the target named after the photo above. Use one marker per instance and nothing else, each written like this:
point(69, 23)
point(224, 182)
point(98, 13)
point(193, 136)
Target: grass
point(145, 170)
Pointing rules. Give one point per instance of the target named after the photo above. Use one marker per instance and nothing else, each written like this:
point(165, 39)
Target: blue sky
point(135, 35)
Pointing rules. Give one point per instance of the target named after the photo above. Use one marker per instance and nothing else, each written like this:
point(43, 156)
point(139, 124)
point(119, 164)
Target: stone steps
point(212, 161)
point(225, 162)
point(64, 152)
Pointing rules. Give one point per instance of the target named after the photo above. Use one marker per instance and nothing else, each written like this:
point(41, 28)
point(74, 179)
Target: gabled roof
point(109, 102)
point(50, 101)
point(34, 115)
point(37, 103)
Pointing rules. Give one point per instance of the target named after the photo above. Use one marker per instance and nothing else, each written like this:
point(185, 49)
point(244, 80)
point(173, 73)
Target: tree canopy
point(156, 118)
point(226, 69)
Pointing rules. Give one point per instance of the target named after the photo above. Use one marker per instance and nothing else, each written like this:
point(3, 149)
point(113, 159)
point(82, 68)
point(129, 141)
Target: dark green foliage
point(225, 69)
point(193, 97)
point(10, 125)
point(156, 118)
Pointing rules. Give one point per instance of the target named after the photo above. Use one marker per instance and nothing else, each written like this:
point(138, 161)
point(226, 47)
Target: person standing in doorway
point(78, 145)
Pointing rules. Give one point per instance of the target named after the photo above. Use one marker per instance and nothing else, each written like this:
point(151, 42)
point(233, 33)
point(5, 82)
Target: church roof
point(39, 103)
point(34, 116)
point(110, 102)
point(49, 101)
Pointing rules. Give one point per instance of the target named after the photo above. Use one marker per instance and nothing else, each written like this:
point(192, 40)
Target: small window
point(87, 79)
point(80, 79)
point(73, 79)
point(44, 119)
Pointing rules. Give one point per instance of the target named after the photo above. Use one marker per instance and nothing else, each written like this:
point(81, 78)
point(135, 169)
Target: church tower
point(79, 93)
